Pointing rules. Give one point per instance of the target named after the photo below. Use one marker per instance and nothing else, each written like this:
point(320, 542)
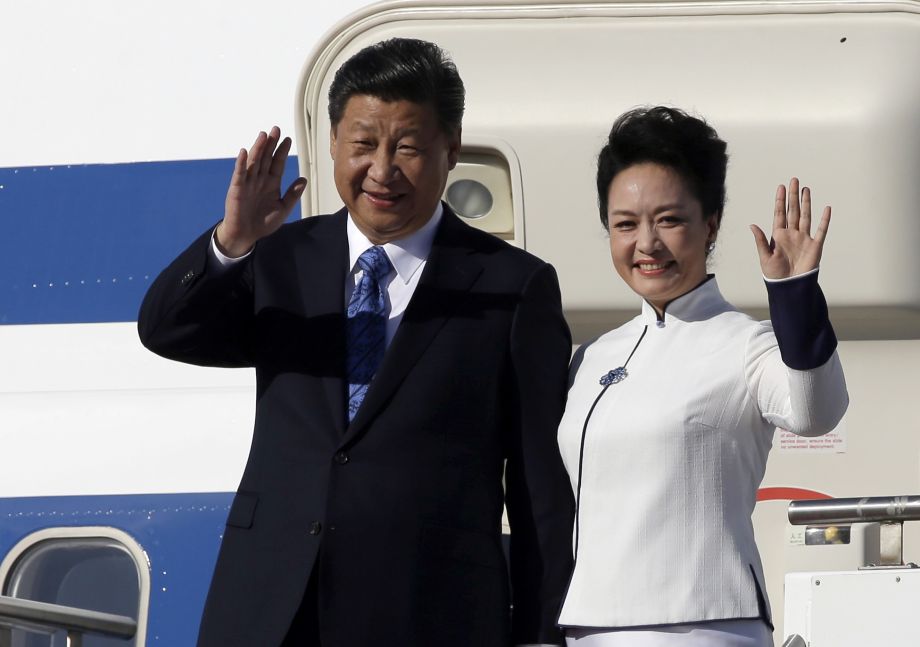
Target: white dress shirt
point(407, 257)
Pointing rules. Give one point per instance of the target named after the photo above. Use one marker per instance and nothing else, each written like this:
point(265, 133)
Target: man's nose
point(383, 167)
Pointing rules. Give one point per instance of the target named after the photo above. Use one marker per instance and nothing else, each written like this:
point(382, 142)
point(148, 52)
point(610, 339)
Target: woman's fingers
point(823, 226)
point(779, 208)
point(805, 218)
point(763, 245)
point(792, 213)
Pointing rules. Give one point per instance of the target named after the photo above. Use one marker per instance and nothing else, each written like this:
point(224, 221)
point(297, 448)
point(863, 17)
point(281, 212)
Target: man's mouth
point(383, 200)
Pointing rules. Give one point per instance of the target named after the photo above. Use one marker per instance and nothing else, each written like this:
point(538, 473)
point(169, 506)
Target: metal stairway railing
point(16, 613)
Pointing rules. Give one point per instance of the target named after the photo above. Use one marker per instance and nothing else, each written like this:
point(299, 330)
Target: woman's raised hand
point(255, 207)
point(792, 250)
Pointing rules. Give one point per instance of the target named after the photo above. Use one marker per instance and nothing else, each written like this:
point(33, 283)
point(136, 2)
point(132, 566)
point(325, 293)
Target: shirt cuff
point(222, 259)
point(800, 320)
point(791, 278)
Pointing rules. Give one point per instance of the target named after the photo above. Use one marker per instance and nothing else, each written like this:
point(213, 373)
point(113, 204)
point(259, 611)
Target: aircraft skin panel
point(90, 238)
point(104, 81)
point(130, 154)
point(179, 533)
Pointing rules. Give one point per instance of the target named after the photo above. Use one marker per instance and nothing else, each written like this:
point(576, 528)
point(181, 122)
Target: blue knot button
point(615, 376)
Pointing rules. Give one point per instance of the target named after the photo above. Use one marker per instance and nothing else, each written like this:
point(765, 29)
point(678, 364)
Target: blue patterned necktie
point(365, 326)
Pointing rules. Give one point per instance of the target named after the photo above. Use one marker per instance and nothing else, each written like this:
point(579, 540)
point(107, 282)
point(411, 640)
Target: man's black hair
point(401, 69)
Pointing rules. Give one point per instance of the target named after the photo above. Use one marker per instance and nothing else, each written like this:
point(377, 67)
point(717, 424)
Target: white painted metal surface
point(854, 608)
point(826, 90)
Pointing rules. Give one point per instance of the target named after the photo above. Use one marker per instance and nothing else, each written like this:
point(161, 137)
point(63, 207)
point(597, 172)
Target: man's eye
point(670, 221)
point(407, 149)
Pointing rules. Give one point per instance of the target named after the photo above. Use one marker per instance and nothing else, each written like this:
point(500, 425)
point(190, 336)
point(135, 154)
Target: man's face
point(391, 161)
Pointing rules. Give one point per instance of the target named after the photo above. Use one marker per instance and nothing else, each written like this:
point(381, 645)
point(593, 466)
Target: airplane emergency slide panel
point(826, 91)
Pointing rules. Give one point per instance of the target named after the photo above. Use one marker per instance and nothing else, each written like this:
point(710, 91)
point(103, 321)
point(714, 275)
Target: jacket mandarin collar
point(699, 303)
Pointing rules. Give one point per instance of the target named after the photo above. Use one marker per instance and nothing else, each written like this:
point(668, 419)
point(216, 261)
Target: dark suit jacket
point(400, 510)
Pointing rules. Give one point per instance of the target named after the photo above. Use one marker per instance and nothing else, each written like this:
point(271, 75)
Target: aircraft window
point(481, 188)
point(469, 198)
point(92, 573)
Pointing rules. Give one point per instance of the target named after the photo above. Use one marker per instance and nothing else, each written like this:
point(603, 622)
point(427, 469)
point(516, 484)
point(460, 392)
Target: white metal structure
point(826, 90)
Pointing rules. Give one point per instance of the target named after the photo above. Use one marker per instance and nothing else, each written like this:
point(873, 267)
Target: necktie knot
point(374, 262)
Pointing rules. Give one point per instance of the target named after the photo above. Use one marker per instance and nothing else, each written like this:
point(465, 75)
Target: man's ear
point(332, 142)
point(453, 150)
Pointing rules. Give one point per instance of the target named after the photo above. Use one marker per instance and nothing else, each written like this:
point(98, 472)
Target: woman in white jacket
point(670, 417)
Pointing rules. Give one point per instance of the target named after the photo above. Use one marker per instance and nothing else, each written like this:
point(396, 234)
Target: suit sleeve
point(538, 496)
point(198, 313)
point(792, 367)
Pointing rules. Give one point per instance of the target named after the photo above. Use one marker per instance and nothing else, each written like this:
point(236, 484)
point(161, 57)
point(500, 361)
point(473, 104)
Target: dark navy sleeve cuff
point(801, 324)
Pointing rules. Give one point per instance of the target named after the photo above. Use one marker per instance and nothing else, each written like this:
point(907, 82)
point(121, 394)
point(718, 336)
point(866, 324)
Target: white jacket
point(673, 457)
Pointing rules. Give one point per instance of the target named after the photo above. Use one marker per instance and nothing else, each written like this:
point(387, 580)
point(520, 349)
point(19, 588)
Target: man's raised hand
point(255, 207)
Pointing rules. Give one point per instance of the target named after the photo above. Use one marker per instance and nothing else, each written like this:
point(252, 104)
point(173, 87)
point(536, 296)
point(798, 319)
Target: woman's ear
point(713, 222)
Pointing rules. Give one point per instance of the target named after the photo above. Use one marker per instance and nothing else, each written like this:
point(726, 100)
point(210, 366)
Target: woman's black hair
point(672, 138)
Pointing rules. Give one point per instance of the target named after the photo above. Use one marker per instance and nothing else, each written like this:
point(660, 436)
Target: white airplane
point(121, 122)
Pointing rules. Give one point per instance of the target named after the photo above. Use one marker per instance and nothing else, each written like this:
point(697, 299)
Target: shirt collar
point(406, 254)
point(699, 303)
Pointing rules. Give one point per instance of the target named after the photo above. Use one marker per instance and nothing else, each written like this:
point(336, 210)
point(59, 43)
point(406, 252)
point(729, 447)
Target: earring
point(710, 247)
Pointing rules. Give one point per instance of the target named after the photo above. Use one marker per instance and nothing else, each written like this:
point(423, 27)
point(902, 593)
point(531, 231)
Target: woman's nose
point(648, 241)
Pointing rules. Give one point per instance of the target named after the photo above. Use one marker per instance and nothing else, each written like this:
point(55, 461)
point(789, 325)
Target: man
point(402, 360)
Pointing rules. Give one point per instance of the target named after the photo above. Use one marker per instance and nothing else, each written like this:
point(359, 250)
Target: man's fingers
point(255, 153)
point(805, 219)
point(779, 208)
point(239, 169)
point(280, 159)
point(292, 195)
point(271, 141)
point(792, 213)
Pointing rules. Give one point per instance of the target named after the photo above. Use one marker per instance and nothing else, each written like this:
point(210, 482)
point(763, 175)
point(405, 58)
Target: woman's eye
point(623, 225)
point(670, 221)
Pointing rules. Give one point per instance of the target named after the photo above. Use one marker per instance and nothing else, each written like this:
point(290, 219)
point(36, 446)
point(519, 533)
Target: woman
point(670, 417)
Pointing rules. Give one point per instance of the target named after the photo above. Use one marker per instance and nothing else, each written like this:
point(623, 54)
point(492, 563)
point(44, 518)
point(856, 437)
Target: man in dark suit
point(405, 363)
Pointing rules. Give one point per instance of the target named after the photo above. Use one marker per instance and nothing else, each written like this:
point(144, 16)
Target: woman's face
point(658, 235)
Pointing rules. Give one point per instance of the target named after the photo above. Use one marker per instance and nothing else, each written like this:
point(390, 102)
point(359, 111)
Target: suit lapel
point(322, 263)
point(449, 273)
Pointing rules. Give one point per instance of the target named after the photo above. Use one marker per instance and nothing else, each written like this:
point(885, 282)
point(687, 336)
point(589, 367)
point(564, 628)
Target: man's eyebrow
point(358, 125)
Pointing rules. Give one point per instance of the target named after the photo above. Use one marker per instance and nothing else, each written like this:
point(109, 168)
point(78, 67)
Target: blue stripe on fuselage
point(180, 533)
point(82, 243)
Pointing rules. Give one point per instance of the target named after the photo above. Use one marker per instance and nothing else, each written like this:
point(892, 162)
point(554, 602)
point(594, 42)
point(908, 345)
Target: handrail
point(29, 614)
point(856, 510)
point(889, 511)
